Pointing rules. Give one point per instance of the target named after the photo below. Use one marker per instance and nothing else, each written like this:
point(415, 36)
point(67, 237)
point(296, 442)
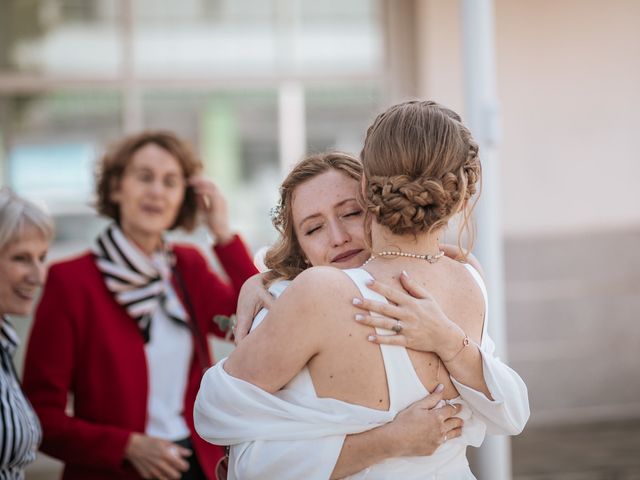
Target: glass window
point(190, 37)
point(51, 142)
point(60, 37)
point(231, 38)
point(339, 37)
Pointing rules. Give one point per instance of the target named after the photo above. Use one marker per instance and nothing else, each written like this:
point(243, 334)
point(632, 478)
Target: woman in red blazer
point(122, 328)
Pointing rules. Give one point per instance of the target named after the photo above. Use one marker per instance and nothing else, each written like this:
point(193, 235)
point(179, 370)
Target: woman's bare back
point(350, 368)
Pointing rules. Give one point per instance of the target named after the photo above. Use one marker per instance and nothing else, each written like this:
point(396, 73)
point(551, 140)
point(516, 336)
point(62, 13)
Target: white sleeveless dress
point(447, 462)
point(294, 434)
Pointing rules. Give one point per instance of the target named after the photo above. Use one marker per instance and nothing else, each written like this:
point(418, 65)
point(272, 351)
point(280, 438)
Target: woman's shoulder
point(472, 262)
point(321, 276)
point(322, 283)
point(73, 266)
point(71, 279)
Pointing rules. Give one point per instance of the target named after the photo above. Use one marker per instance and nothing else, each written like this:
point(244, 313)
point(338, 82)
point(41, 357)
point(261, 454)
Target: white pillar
point(493, 460)
point(292, 133)
point(132, 98)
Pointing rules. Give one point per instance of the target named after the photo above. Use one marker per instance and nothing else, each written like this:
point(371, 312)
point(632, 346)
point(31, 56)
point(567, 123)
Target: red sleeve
point(48, 377)
point(236, 261)
point(212, 295)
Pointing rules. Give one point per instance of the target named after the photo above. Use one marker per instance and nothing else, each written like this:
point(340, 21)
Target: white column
point(292, 133)
point(401, 45)
point(493, 460)
point(131, 101)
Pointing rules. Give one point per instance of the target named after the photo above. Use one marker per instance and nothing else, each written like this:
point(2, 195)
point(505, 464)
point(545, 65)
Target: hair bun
point(405, 204)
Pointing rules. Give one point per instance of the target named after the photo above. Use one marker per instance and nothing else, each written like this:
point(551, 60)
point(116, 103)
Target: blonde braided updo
point(421, 165)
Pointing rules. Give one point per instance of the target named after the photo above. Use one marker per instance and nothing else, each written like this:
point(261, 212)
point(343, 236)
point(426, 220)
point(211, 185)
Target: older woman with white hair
point(25, 233)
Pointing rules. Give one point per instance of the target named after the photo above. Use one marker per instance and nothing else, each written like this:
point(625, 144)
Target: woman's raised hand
point(253, 297)
point(417, 319)
point(213, 205)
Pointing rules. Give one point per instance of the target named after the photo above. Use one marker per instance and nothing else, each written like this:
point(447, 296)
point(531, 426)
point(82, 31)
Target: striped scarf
point(139, 283)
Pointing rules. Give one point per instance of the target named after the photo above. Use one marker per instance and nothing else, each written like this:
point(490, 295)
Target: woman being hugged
point(25, 233)
point(123, 328)
point(421, 168)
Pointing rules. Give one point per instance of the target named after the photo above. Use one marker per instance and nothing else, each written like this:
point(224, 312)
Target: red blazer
point(84, 343)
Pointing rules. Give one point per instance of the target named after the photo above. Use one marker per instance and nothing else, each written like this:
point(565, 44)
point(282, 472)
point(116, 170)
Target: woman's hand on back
point(424, 326)
point(253, 297)
point(423, 426)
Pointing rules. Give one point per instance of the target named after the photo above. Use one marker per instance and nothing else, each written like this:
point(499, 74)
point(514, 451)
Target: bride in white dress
point(421, 167)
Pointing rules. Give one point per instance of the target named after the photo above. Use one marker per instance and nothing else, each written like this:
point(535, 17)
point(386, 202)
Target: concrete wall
point(568, 74)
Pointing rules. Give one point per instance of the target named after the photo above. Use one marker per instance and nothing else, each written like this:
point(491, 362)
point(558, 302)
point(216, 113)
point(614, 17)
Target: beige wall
point(568, 75)
point(569, 86)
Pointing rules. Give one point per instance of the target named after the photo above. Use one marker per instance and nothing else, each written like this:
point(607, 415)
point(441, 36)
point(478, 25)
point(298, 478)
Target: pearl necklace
point(431, 258)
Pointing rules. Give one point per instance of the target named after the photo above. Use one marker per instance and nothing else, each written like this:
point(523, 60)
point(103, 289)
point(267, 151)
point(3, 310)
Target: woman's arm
point(211, 295)
point(292, 333)
point(237, 262)
point(228, 247)
point(416, 431)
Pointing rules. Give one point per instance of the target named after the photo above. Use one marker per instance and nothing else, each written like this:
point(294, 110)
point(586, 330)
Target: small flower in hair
point(276, 214)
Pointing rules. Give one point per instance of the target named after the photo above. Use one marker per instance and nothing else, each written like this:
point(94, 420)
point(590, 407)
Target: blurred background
point(253, 84)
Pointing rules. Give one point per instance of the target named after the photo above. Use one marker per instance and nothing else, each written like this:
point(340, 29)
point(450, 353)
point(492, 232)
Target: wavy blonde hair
point(285, 258)
point(422, 167)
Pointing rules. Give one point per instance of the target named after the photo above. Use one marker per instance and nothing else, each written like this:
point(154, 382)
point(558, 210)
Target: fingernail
point(359, 317)
point(404, 272)
point(439, 388)
point(357, 301)
point(369, 282)
point(371, 338)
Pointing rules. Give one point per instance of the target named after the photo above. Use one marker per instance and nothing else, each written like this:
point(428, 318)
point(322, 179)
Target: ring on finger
point(173, 451)
point(397, 328)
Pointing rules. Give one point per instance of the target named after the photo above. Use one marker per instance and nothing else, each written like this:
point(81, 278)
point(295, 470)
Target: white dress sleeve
point(508, 412)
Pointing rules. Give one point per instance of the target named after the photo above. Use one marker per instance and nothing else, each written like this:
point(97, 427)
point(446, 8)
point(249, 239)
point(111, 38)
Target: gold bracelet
point(465, 342)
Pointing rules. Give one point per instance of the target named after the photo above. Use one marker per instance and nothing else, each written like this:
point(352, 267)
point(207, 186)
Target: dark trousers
point(195, 470)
